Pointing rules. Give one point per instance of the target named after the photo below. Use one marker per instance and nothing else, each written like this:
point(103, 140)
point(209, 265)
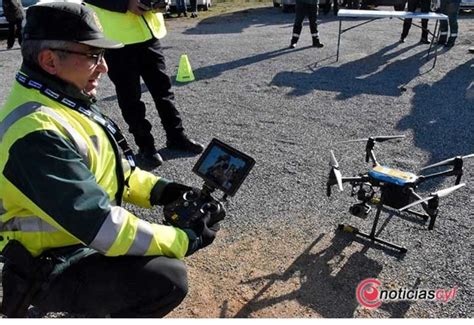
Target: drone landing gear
point(372, 236)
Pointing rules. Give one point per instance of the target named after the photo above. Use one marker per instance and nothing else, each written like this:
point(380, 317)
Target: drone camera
point(366, 192)
point(360, 210)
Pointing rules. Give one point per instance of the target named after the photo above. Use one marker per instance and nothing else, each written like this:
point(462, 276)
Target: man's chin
point(91, 92)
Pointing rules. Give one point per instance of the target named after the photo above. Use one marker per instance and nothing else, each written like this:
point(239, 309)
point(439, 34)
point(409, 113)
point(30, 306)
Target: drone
point(386, 187)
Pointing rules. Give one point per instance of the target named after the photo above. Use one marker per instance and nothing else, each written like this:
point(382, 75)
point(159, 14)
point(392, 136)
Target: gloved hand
point(170, 193)
point(201, 234)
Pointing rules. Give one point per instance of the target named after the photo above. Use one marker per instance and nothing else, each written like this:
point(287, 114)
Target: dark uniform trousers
point(124, 286)
point(412, 5)
point(126, 66)
point(14, 30)
point(303, 10)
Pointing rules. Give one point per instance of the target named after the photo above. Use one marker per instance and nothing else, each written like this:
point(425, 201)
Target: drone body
point(392, 188)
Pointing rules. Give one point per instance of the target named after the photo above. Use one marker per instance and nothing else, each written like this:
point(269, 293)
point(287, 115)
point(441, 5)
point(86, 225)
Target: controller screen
point(223, 167)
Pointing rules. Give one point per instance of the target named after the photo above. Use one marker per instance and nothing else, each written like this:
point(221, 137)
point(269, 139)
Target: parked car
point(26, 4)
point(202, 4)
point(3, 20)
point(288, 5)
point(467, 5)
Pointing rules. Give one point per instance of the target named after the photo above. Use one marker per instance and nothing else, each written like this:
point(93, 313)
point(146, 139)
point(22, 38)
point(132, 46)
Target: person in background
point(425, 7)
point(140, 28)
point(14, 14)
point(181, 8)
point(306, 8)
point(451, 9)
point(194, 8)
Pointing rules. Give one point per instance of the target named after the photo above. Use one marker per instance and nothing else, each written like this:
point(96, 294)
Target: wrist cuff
point(157, 190)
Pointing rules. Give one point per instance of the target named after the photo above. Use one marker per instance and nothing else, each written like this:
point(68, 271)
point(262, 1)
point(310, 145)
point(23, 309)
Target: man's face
point(81, 65)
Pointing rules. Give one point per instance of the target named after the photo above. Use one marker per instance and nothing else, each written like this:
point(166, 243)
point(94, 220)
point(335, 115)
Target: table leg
point(435, 38)
point(339, 39)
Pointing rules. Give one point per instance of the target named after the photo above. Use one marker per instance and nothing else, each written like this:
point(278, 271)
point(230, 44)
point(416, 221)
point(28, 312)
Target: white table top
point(389, 14)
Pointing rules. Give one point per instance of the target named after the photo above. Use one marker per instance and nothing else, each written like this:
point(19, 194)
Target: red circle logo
point(367, 293)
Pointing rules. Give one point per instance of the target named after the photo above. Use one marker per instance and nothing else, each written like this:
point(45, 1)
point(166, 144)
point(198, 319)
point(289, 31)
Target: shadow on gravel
point(442, 115)
point(369, 75)
point(216, 70)
point(236, 22)
point(328, 281)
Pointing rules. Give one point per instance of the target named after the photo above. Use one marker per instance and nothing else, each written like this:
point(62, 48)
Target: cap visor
point(103, 43)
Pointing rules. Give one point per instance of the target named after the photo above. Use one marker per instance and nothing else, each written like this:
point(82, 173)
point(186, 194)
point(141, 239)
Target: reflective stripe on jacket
point(129, 28)
point(58, 181)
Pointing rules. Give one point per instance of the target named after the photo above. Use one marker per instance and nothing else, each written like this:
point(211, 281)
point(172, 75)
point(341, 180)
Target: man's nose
point(102, 66)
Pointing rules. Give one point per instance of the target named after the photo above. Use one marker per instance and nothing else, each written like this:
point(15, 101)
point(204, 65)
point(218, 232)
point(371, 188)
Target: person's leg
point(125, 286)
point(19, 31)
point(443, 25)
point(425, 8)
point(153, 72)
point(124, 72)
point(407, 22)
point(181, 7)
point(194, 10)
point(11, 35)
point(125, 75)
point(452, 11)
point(313, 26)
point(300, 13)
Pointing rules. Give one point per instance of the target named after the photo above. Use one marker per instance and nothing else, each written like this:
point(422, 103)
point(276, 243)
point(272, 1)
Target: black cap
point(66, 21)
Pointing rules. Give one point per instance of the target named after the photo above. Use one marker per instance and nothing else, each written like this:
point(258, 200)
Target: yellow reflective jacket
point(126, 27)
point(59, 178)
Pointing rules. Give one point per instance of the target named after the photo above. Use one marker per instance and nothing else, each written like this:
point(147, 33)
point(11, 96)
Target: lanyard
point(109, 126)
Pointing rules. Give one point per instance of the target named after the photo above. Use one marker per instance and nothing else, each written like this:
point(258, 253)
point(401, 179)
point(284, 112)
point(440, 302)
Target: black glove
point(170, 193)
point(201, 234)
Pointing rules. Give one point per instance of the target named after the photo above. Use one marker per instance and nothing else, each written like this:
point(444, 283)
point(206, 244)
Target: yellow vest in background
point(129, 28)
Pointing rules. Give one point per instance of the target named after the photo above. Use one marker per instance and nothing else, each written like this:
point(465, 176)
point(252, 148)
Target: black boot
point(149, 158)
point(424, 40)
point(317, 43)
point(293, 42)
point(450, 42)
point(183, 143)
point(442, 40)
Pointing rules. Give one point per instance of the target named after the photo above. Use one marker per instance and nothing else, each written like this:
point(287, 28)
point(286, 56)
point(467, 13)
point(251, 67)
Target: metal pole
point(339, 40)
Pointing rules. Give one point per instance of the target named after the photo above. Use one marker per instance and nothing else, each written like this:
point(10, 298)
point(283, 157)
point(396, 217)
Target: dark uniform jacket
point(13, 10)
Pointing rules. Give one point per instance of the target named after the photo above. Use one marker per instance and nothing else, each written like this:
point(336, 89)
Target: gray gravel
point(288, 108)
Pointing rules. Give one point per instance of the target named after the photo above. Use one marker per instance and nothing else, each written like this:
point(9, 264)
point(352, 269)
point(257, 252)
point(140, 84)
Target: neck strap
point(109, 126)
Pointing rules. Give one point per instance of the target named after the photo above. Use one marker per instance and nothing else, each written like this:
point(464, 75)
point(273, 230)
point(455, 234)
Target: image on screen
point(223, 167)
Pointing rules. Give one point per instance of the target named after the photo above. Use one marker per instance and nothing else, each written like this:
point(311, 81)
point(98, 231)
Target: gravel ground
point(278, 254)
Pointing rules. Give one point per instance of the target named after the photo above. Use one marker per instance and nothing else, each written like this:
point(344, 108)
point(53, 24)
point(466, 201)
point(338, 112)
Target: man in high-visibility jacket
point(68, 243)
point(135, 24)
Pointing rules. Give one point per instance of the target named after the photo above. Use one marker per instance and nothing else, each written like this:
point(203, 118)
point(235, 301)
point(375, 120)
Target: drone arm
point(332, 181)
point(355, 179)
point(416, 197)
point(369, 151)
point(452, 172)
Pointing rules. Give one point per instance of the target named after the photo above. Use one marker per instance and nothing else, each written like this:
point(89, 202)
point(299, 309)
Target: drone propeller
point(336, 172)
point(449, 161)
point(380, 138)
point(437, 194)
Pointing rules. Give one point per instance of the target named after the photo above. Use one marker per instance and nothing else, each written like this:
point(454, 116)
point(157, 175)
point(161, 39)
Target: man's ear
point(48, 61)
